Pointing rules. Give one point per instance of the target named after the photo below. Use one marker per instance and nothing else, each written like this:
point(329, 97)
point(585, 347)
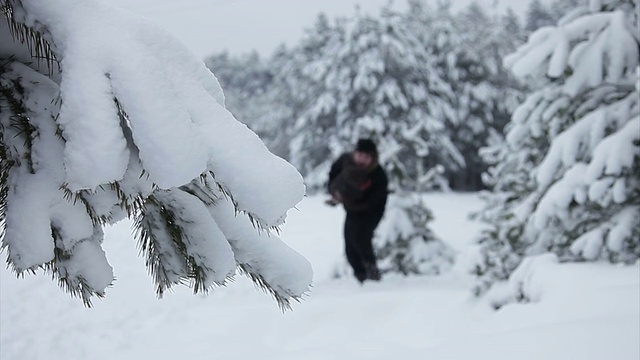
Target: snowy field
point(583, 311)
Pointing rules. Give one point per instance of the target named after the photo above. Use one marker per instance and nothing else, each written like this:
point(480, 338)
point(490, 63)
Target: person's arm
point(379, 194)
point(375, 201)
point(336, 168)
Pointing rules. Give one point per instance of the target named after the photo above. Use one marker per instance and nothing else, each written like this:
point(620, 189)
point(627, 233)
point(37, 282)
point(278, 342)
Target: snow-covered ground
point(584, 311)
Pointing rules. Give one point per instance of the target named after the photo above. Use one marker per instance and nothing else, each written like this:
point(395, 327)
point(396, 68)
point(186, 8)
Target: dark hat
point(367, 146)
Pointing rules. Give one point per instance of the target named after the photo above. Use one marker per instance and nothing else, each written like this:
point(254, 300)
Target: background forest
point(542, 114)
point(429, 85)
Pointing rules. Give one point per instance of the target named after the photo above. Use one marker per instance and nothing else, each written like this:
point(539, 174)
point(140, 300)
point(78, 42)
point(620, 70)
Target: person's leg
point(365, 245)
point(352, 251)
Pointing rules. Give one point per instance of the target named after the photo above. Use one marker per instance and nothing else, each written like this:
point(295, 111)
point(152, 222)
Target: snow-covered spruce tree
point(405, 244)
point(567, 180)
point(105, 116)
point(467, 50)
point(295, 84)
point(307, 73)
point(374, 81)
point(538, 15)
point(560, 8)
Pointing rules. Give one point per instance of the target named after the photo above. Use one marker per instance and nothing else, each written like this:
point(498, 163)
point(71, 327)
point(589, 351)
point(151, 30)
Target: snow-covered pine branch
point(131, 124)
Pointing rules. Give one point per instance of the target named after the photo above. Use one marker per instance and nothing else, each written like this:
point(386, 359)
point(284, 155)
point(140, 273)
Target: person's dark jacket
point(350, 183)
point(361, 195)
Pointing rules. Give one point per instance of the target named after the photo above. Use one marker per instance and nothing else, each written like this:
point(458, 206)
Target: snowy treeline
point(567, 178)
point(426, 84)
point(105, 116)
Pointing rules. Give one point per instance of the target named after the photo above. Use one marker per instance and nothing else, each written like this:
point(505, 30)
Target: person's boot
point(372, 272)
point(361, 277)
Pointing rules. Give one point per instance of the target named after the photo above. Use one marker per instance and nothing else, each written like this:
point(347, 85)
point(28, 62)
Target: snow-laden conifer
point(404, 242)
point(376, 81)
point(466, 49)
point(567, 178)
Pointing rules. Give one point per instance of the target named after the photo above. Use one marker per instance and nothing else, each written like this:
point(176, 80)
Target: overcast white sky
point(211, 26)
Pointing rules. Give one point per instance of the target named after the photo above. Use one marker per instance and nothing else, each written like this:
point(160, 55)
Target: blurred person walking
point(358, 182)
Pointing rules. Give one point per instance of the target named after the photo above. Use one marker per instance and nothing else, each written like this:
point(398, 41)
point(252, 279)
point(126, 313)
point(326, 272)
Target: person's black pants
point(358, 236)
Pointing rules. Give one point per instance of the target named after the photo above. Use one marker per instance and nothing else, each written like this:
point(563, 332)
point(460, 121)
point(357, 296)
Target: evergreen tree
point(405, 244)
point(538, 15)
point(559, 8)
point(566, 180)
point(104, 116)
point(374, 80)
point(469, 93)
point(466, 50)
point(296, 82)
